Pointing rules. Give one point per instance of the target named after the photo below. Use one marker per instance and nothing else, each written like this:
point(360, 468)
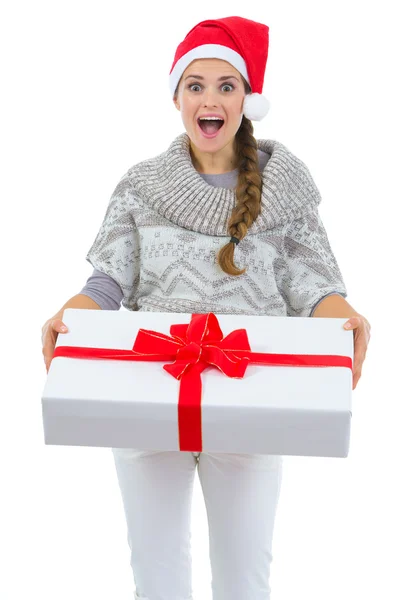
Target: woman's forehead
point(211, 68)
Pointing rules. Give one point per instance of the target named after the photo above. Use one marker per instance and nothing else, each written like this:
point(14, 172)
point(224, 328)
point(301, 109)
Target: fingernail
point(348, 325)
point(63, 328)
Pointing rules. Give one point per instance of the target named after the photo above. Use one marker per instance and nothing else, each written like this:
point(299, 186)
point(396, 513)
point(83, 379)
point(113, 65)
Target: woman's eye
point(224, 85)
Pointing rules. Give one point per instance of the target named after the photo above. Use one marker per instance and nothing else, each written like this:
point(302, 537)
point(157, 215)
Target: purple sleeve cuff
point(103, 290)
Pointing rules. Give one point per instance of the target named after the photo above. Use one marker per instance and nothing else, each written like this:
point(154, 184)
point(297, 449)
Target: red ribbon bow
point(193, 347)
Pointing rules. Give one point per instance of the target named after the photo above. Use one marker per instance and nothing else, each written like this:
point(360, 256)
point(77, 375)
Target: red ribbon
point(193, 347)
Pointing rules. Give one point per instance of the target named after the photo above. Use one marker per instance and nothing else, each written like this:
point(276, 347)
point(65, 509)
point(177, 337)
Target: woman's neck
point(214, 163)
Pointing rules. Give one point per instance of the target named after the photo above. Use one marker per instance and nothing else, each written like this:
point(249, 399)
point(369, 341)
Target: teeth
point(210, 119)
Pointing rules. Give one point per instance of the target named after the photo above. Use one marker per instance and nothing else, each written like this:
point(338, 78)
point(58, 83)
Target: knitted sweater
point(165, 223)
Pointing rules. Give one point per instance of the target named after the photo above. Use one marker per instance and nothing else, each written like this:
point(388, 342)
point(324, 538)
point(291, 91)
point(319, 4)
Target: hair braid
point(248, 195)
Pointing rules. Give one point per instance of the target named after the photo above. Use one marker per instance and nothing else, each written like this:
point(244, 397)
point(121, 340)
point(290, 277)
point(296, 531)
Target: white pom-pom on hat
point(256, 107)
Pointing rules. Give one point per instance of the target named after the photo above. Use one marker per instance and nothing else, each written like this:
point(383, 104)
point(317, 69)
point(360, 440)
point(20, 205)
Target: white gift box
point(273, 409)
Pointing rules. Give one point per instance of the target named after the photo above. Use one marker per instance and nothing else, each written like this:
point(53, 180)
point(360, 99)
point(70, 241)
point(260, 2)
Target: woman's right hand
point(50, 331)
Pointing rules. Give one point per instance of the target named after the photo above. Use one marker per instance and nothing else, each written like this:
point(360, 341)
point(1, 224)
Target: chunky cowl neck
point(169, 184)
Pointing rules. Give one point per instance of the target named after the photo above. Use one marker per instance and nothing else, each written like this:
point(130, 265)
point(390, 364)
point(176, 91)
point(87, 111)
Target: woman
point(219, 222)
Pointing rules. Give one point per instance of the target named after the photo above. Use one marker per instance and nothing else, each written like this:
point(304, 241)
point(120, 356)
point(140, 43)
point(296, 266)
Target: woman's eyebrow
point(219, 79)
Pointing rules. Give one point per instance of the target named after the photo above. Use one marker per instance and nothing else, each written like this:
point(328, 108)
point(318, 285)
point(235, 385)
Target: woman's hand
point(362, 334)
point(50, 331)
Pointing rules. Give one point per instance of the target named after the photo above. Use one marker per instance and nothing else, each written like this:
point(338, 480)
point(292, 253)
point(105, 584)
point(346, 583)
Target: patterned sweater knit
point(156, 249)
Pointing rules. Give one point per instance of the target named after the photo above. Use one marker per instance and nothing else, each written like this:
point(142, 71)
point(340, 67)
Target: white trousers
point(241, 493)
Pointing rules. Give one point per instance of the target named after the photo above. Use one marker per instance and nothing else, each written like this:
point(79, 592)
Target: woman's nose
point(210, 96)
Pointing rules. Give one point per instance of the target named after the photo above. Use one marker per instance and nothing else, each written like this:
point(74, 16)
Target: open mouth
point(210, 128)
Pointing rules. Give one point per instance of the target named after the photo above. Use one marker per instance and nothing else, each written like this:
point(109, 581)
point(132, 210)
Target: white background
point(85, 96)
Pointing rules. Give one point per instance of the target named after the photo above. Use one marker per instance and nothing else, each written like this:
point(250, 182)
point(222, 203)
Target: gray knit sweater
point(156, 249)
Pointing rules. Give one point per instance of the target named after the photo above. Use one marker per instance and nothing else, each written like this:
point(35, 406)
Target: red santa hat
point(241, 42)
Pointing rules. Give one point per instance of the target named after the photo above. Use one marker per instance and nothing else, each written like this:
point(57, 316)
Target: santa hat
point(242, 43)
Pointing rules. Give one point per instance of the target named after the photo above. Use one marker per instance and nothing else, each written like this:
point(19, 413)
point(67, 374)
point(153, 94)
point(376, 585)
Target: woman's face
point(202, 90)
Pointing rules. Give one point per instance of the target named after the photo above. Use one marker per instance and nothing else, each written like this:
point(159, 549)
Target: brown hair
point(248, 191)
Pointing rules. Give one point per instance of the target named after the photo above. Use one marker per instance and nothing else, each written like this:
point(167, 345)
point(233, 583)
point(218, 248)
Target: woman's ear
point(176, 102)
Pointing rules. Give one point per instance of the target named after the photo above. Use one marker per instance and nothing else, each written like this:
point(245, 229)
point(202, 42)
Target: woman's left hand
point(362, 334)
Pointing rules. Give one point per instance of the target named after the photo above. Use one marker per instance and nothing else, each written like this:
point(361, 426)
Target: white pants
point(241, 493)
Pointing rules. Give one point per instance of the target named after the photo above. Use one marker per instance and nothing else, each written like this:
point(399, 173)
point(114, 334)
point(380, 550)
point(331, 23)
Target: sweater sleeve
point(104, 290)
point(116, 250)
point(311, 271)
